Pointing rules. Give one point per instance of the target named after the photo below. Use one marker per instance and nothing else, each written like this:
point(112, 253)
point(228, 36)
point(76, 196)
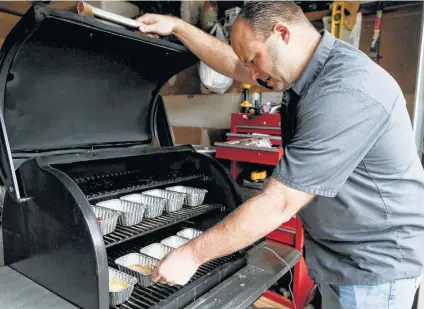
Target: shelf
point(145, 185)
point(125, 233)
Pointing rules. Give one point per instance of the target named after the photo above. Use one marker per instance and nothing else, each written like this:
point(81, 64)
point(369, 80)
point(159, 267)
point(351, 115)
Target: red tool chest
point(289, 233)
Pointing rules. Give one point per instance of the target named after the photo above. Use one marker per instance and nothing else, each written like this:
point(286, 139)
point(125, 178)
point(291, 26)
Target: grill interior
point(151, 297)
point(131, 177)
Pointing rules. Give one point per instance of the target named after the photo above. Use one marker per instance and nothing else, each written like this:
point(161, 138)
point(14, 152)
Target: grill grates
point(111, 185)
point(125, 233)
point(144, 298)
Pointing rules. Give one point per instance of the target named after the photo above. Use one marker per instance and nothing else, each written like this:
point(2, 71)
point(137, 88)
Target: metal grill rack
point(111, 185)
point(123, 233)
point(150, 297)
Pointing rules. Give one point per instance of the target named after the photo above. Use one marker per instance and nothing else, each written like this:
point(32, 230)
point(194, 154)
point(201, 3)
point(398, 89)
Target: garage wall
point(400, 39)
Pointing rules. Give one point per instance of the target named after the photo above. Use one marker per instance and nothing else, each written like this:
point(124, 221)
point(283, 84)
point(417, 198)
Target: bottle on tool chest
point(246, 105)
point(209, 15)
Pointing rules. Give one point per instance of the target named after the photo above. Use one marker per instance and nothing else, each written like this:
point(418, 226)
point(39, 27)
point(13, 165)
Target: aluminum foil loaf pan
point(131, 214)
point(107, 219)
point(121, 286)
point(195, 197)
point(174, 200)
point(175, 241)
point(156, 250)
point(139, 266)
point(189, 233)
point(154, 205)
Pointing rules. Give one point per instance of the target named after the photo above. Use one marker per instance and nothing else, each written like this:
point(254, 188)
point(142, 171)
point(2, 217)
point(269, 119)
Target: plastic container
point(174, 200)
point(144, 277)
point(195, 197)
point(131, 214)
point(119, 296)
point(154, 205)
point(107, 219)
point(156, 250)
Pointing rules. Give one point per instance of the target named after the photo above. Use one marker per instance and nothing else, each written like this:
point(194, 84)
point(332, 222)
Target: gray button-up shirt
point(354, 148)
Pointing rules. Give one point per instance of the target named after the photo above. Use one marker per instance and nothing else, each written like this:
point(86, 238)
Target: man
point(350, 169)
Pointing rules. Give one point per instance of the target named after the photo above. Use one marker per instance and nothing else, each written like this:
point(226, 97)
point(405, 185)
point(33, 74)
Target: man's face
point(264, 59)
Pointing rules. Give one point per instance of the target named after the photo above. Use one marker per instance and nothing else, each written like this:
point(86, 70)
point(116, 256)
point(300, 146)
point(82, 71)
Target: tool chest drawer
point(264, 124)
point(233, 150)
point(275, 140)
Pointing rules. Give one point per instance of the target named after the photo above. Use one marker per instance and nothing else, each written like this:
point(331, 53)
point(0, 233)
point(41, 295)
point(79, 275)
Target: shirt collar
point(315, 64)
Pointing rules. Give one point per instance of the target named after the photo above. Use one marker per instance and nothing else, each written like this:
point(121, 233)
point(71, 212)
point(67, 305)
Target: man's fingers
point(155, 274)
point(147, 28)
point(147, 19)
point(152, 35)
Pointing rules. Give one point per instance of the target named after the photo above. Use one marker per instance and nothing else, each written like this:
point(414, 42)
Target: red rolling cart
point(289, 233)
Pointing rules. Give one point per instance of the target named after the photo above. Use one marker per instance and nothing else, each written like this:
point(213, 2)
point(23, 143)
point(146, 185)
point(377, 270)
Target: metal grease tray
point(189, 233)
point(156, 250)
point(131, 214)
point(118, 296)
point(107, 219)
point(174, 241)
point(195, 196)
point(127, 264)
point(174, 200)
point(154, 205)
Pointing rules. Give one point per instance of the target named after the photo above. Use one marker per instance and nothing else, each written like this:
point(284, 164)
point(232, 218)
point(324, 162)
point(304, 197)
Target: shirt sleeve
point(335, 130)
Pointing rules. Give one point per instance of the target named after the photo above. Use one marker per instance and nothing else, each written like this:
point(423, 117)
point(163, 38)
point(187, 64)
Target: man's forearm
point(250, 222)
point(214, 53)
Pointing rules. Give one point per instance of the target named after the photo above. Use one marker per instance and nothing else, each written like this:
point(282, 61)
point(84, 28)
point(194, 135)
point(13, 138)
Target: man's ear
point(283, 32)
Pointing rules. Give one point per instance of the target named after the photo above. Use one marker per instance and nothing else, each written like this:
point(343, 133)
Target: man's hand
point(177, 267)
point(157, 24)
point(216, 54)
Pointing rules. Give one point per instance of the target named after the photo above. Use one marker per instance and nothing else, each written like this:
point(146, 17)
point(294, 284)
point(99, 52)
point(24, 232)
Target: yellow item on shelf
point(257, 176)
point(246, 104)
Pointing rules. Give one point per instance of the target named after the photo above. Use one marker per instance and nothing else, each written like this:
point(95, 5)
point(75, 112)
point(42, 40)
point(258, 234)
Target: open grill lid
point(70, 82)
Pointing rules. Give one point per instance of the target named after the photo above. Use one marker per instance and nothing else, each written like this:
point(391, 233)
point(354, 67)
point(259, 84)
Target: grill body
point(55, 240)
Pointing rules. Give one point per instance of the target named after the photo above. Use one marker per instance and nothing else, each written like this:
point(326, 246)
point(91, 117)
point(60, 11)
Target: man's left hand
point(177, 267)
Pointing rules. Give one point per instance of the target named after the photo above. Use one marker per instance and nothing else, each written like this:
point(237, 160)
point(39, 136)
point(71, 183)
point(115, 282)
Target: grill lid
point(73, 82)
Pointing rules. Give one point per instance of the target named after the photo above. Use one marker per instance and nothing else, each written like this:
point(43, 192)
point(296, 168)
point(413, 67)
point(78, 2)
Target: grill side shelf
point(123, 233)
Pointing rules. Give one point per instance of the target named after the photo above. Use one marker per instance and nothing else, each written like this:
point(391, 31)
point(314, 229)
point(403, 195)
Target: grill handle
point(85, 9)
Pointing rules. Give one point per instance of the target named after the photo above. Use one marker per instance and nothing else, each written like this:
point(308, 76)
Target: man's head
point(265, 37)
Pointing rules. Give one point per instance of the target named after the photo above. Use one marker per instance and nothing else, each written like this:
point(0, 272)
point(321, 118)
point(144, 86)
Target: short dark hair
point(263, 15)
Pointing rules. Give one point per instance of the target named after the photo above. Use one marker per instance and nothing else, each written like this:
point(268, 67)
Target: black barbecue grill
point(82, 123)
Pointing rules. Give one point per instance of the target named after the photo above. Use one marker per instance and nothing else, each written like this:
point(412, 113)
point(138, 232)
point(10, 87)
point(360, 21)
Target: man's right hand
point(214, 53)
point(157, 24)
